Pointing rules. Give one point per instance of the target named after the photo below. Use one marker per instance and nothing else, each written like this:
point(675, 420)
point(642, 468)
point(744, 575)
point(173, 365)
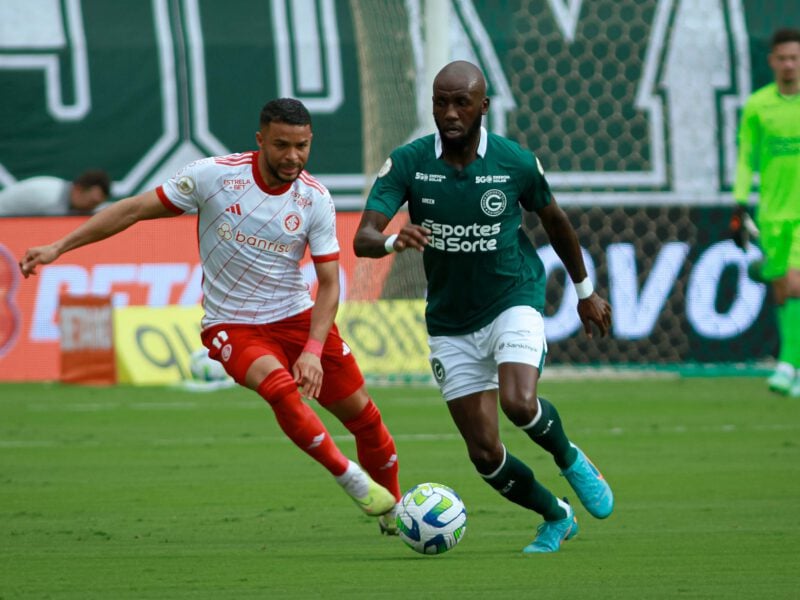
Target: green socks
point(547, 431)
point(789, 330)
point(515, 481)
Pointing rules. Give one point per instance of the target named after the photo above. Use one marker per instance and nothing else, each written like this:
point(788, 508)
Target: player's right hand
point(739, 232)
point(412, 236)
point(38, 255)
point(307, 374)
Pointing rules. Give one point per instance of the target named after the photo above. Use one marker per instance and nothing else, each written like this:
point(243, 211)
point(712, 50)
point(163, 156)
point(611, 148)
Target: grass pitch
point(130, 493)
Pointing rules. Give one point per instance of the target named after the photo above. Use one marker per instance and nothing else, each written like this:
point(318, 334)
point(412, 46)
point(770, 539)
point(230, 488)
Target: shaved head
point(461, 74)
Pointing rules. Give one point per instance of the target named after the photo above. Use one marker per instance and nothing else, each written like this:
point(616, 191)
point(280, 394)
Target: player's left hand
point(595, 309)
point(307, 373)
point(38, 255)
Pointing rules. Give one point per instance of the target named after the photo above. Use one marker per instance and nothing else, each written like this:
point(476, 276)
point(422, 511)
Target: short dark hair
point(285, 110)
point(782, 36)
point(94, 177)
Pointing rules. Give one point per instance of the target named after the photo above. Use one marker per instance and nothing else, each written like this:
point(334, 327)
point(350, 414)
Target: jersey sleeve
point(535, 193)
point(322, 241)
point(389, 192)
point(747, 153)
point(183, 192)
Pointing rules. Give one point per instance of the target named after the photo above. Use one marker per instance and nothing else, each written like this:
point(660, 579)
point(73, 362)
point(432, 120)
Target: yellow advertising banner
point(153, 345)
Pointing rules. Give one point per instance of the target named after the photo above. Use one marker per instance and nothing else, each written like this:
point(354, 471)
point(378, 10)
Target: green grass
point(126, 493)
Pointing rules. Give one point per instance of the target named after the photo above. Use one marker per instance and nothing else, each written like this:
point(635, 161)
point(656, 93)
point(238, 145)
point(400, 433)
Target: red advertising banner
point(154, 263)
point(87, 339)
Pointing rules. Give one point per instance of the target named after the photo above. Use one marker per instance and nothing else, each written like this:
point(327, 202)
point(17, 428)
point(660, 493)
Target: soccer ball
point(205, 368)
point(432, 519)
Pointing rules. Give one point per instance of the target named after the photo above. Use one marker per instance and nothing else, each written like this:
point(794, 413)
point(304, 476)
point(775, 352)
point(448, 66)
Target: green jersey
point(769, 142)
point(478, 262)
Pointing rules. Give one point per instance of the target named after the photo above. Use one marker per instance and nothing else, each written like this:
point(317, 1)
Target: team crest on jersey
point(185, 184)
point(292, 222)
point(493, 203)
point(387, 166)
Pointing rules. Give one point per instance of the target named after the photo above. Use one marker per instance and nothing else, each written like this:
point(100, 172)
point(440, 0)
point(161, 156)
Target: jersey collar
point(282, 189)
point(437, 142)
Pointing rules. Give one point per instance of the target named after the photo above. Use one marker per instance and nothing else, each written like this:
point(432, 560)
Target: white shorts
point(467, 364)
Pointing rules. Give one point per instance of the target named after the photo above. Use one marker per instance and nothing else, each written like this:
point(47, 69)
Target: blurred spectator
point(52, 196)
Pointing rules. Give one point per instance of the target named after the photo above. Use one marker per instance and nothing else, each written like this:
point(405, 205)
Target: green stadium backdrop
point(631, 105)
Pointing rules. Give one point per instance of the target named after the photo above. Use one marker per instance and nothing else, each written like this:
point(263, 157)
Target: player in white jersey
point(257, 213)
point(252, 237)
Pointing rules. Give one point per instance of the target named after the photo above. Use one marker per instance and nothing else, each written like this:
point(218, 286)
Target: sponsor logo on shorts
point(438, 370)
point(515, 346)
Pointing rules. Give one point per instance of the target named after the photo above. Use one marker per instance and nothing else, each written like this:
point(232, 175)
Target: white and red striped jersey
point(251, 237)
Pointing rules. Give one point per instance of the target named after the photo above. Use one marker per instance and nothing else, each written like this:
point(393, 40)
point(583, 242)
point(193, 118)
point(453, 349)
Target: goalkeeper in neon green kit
point(769, 142)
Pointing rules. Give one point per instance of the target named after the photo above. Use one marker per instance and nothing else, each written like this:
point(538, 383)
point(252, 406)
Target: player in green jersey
point(466, 191)
point(769, 142)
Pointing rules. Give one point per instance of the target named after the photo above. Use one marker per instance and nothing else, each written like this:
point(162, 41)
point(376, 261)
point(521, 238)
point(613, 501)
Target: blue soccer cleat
point(550, 534)
point(592, 489)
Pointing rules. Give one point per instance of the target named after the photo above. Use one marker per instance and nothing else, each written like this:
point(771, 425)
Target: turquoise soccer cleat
point(591, 487)
point(550, 534)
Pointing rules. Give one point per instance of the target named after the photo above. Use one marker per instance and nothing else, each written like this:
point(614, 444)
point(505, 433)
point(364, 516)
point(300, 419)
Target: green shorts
point(780, 242)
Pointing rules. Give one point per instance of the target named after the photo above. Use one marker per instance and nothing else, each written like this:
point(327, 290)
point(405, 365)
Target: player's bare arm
point(109, 221)
point(307, 370)
point(370, 241)
point(592, 309)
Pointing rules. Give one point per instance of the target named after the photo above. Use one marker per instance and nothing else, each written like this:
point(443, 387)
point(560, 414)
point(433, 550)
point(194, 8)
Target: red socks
point(376, 449)
point(300, 423)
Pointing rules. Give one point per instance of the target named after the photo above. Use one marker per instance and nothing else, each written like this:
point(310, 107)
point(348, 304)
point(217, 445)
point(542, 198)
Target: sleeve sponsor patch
point(387, 166)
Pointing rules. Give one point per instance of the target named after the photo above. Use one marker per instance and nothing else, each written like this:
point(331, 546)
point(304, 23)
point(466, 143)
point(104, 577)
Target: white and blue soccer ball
point(204, 368)
point(431, 519)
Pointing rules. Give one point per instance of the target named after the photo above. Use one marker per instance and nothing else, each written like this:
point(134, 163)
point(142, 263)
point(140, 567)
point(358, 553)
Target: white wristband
point(389, 243)
point(584, 289)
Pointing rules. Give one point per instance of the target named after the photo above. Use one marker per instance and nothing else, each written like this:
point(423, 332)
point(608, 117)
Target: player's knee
point(486, 459)
point(278, 386)
point(521, 407)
